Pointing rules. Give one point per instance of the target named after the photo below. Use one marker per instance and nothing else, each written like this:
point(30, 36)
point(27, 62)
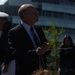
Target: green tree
point(53, 35)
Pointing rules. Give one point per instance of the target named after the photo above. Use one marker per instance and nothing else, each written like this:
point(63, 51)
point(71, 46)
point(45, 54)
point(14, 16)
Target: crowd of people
point(26, 47)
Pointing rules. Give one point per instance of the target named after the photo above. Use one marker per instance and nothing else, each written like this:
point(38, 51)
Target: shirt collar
point(26, 26)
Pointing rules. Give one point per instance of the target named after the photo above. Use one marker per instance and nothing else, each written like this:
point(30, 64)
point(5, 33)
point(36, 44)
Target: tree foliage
point(53, 35)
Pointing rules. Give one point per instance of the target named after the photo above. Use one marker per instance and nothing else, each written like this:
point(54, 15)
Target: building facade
point(61, 11)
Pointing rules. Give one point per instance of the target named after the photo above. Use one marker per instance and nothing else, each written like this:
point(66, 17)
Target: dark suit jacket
point(22, 49)
point(4, 40)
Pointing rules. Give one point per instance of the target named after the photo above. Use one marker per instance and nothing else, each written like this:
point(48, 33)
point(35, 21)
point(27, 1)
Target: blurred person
point(27, 43)
point(67, 57)
point(5, 26)
point(3, 35)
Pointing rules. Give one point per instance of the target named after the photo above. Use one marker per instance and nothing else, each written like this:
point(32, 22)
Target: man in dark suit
point(29, 55)
point(5, 25)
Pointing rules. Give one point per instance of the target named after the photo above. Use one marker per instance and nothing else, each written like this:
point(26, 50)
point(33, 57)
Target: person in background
point(67, 57)
point(27, 43)
point(5, 26)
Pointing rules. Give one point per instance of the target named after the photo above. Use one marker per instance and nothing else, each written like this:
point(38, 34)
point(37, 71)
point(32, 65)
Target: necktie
point(36, 40)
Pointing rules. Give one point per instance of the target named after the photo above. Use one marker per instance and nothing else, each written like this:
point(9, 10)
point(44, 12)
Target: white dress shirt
point(27, 28)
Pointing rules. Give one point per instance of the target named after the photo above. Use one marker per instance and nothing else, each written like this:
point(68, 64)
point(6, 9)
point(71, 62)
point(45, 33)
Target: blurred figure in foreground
point(5, 26)
point(67, 57)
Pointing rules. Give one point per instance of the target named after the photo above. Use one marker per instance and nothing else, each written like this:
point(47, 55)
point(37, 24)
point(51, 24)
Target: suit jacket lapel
point(25, 35)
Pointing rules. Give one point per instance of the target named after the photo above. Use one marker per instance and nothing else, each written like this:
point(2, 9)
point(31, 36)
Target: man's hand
point(41, 50)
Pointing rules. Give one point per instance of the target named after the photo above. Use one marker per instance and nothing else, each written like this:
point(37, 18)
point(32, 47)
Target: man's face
point(32, 16)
